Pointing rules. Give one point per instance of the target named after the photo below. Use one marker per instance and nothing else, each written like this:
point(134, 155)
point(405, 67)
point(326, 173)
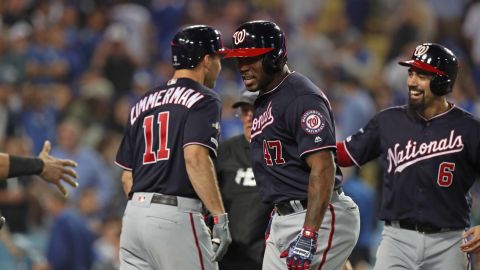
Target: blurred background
point(70, 69)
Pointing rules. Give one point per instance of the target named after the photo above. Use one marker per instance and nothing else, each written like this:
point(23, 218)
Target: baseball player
point(430, 150)
point(293, 157)
point(248, 215)
point(49, 168)
point(166, 154)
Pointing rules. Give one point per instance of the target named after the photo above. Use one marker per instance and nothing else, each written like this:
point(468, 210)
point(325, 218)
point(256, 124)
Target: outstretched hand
point(57, 170)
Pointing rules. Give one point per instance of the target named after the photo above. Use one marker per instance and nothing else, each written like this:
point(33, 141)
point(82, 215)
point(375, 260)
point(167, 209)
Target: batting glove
point(300, 252)
point(221, 236)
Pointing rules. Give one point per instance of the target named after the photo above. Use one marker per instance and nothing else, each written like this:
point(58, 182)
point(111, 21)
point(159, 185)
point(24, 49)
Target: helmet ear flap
point(273, 63)
point(269, 65)
point(440, 85)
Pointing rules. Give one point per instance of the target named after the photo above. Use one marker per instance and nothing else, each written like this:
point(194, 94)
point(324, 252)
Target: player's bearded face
point(252, 73)
point(419, 94)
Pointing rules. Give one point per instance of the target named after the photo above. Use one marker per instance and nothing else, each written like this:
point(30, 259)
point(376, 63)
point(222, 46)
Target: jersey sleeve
point(310, 122)
point(203, 125)
point(364, 145)
point(124, 153)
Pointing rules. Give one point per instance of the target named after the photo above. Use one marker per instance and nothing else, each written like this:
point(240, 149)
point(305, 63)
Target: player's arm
point(320, 186)
point(127, 182)
point(50, 168)
point(13, 166)
point(201, 173)
point(343, 158)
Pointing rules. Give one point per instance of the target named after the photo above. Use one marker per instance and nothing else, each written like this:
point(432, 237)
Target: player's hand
point(267, 231)
point(57, 170)
point(300, 252)
point(221, 236)
point(347, 265)
point(473, 240)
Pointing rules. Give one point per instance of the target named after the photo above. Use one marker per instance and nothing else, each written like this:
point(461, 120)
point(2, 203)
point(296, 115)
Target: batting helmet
point(438, 60)
point(192, 43)
point(256, 38)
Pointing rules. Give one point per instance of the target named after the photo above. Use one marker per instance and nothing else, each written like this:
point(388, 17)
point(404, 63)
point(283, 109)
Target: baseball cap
point(247, 97)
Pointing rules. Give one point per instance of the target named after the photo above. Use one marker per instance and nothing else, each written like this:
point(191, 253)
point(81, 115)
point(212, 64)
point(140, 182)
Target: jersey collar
point(276, 87)
point(451, 105)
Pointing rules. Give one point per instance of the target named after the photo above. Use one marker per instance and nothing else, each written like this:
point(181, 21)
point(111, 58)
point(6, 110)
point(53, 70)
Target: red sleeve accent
point(343, 159)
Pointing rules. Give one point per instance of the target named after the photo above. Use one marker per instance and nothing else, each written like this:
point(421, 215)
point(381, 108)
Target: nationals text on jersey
point(260, 122)
point(413, 153)
point(174, 95)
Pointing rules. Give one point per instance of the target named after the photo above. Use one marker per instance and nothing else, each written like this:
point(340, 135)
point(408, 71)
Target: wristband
point(308, 232)
point(20, 166)
point(221, 218)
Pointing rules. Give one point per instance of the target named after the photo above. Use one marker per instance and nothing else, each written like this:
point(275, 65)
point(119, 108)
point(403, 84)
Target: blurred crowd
point(70, 69)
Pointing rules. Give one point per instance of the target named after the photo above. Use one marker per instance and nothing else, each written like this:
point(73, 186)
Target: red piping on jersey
point(342, 156)
point(330, 236)
point(123, 167)
point(196, 241)
point(276, 87)
point(439, 115)
point(318, 149)
point(202, 144)
point(350, 155)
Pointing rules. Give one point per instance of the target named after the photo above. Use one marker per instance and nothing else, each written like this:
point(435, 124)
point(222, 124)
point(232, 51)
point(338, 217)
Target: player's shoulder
point(390, 111)
point(300, 87)
point(300, 84)
point(466, 116)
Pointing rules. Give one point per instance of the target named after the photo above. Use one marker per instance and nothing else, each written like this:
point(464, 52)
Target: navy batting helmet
point(438, 60)
point(192, 43)
point(256, 38)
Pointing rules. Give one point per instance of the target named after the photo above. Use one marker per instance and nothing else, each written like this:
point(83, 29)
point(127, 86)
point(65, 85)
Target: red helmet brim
point(422, 66)
point(247, 52)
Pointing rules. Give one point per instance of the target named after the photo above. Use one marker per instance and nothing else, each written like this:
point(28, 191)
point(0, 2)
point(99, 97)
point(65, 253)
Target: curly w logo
point(420, 50)
point(239, 36)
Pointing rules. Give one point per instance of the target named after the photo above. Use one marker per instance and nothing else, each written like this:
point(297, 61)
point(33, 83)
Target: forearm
point(320, 187)
point(203, 178)
point(127, 182)
point(319, 193)
point(4, 164)
point(13, 166)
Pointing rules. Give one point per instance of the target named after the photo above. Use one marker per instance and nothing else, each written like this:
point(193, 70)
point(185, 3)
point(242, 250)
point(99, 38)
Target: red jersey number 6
point(445, 174)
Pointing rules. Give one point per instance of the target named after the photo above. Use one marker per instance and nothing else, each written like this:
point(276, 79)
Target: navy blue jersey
point(430, 165)
point(162, 123)
point(290, 121)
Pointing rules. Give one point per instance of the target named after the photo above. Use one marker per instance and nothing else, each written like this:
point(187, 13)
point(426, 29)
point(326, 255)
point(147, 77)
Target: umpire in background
point(248, 214)
point(166, 154)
